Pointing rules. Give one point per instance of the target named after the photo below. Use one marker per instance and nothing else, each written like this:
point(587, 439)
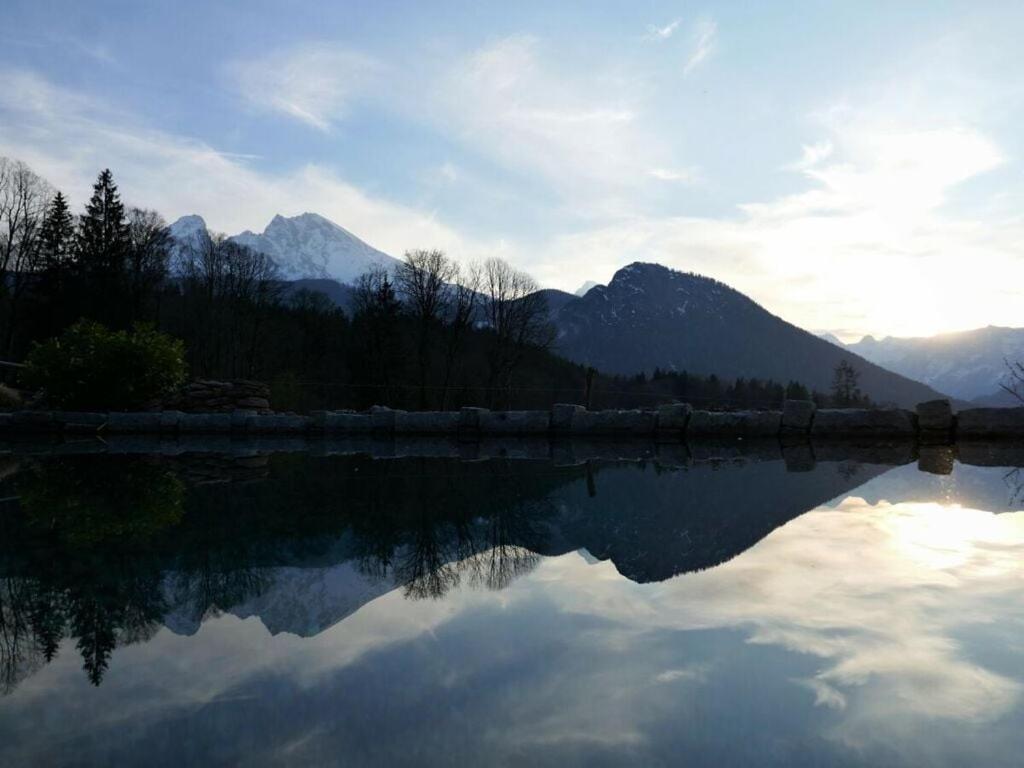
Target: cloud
point(585, 135)
point(685, 175)
point(68, 138)
point(313, 83)
point(656, 33)
point(705, 34)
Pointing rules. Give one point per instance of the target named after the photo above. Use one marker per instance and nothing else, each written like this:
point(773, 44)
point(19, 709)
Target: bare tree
point(463, 302)
point(1014, 382)
point(149, 253)
point(228, 289)
point(424, 279)
point(518, 317)
point(376, 314)
point(23, 201)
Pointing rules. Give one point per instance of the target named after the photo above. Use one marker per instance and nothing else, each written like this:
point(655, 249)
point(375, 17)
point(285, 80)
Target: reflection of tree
point(1015, 482)
point(100, 549)
point(86, 502)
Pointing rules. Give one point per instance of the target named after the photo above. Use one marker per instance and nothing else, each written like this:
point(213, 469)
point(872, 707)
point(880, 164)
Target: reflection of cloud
point(881, 593)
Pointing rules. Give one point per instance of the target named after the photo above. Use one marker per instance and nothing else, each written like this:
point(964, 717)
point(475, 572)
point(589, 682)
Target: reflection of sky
point(882, 632)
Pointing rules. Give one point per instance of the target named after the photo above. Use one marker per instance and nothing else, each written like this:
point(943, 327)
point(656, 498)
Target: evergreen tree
point(846, 385)
point(57, 235)
point(102, 246)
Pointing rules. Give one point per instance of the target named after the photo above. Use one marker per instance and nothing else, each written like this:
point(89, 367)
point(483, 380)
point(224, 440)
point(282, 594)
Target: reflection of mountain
point(654, 525)
point(308, 541)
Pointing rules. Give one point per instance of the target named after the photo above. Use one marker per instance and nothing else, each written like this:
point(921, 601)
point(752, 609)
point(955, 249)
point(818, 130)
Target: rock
point(133, 422)
point(735, 423)
point(427, 422)
point(935, 416)
point(562, 415)
point(673, 417)
point(614, 423)
point(990, 422)
point(797, 415)
point(857, 422)
point(515, 422)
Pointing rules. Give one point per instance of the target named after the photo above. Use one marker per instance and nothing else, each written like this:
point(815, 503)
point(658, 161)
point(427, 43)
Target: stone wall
point(931, 422)
point(207, 396)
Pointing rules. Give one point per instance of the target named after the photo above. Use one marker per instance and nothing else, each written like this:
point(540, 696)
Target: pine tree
point(57, 235)
point(101, 252)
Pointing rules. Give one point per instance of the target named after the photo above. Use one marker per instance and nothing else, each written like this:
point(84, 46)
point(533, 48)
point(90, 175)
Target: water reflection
point(838, 612)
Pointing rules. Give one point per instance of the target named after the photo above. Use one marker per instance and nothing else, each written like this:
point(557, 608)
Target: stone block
point(735, 423)
point(562, 415)
point(515, 422)
point(133, 422)
point(858, 422)
point(797, 415)
point(207, 423)
point(347, 422)
point(934, 416)
point(673, 417)
point(616, 423)
point(469, 418)
point(427, 422)
point(990, 422)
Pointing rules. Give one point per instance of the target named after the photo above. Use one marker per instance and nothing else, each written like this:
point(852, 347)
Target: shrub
point(91, 367)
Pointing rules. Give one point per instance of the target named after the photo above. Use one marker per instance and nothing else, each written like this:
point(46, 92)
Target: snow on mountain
point(310, 246)
point(967, 364)
point(303, 247)
point(582, 290)
point(188, 232)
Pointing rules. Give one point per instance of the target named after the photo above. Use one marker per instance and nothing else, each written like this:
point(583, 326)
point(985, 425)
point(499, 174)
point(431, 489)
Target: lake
point(703, 605)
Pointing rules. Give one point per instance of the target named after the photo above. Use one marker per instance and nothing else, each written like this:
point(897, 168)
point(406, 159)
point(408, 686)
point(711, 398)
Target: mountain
point(188, 233)
point(305, 247)
point(310, 246)
point(831, 338)
point(969, 364)
point(650, 317)
point(582, 290)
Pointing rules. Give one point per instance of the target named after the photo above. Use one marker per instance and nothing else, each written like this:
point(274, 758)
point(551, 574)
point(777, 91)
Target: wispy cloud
point(682, 175)
point(656, 33)
point(704, 36)
point(313, 83)
point(68, 137)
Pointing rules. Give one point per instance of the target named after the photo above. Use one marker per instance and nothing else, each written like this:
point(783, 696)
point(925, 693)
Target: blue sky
point(852, 166)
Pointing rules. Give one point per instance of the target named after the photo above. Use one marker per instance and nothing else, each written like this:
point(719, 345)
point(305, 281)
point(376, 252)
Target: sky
point(853, 167)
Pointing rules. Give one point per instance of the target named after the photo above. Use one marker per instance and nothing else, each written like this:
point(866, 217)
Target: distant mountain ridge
point(968, 364)
point(650, 316)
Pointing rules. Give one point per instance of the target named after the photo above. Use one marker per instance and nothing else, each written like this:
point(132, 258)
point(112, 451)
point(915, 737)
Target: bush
point(91, 367)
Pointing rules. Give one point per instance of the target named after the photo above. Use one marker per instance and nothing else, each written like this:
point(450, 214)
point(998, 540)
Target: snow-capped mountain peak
point(311, 246)
point(307, 246)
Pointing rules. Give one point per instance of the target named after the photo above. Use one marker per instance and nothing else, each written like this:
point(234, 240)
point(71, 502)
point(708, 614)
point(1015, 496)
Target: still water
point(299, 609)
